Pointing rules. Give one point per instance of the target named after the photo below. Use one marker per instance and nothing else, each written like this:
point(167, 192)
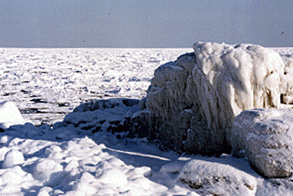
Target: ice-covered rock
point(139, 124)
point(194, 100)
point(287, 97)
point(212, 178)
point(265, 136)
point(111, 115)
point(9, 115)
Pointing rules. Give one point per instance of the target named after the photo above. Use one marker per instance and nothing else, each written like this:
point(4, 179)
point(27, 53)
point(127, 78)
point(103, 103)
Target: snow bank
point(194, 100)
point(265, 137)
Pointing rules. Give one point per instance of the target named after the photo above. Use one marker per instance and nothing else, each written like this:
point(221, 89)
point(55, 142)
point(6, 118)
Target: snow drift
point(194, 100)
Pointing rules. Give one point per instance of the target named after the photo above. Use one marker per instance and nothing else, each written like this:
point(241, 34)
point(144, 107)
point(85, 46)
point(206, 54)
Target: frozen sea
point(47, 84)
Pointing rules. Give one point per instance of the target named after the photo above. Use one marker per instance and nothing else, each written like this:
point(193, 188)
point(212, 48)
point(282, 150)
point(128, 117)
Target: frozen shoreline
point(46, 84)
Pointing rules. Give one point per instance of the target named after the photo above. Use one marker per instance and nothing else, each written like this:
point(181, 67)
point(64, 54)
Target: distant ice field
point(46, 84)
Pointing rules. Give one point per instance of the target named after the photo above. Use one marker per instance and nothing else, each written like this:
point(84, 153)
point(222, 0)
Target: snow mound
point(9, 115)
point(113, 177)
point(265, 137)
point(194, 100)
point(217, 178)
point(12, 158)
point(15, 180)
point(48, 171)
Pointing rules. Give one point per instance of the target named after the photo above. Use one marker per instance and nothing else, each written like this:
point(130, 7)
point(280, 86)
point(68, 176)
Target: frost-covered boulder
point(212, 178)
point(9, 115)
point(265, 136)
point(194, 100)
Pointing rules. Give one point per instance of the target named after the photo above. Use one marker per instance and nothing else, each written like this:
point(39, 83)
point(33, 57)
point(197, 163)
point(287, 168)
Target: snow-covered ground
point(37, 159)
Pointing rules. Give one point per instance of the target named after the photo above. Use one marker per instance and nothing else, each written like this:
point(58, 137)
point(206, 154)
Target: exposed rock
point(265, 136)
point(194, 100)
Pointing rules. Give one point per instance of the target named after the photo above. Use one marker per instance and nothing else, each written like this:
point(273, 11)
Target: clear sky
point(144, 23)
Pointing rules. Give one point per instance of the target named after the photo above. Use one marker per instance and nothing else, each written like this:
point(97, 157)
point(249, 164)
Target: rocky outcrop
point(265, 137)
point(193, 101)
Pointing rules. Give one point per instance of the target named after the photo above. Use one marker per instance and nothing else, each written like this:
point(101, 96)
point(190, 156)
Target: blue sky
point(144, 23)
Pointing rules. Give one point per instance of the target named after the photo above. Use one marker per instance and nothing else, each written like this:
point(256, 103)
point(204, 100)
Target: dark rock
point(96, 129)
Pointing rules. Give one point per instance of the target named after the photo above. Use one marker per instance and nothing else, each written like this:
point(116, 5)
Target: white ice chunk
point(9, 115)
point(13, 158)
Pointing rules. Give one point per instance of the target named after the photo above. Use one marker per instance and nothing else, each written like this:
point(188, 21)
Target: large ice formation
point(193, 101)
point(264, 136)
